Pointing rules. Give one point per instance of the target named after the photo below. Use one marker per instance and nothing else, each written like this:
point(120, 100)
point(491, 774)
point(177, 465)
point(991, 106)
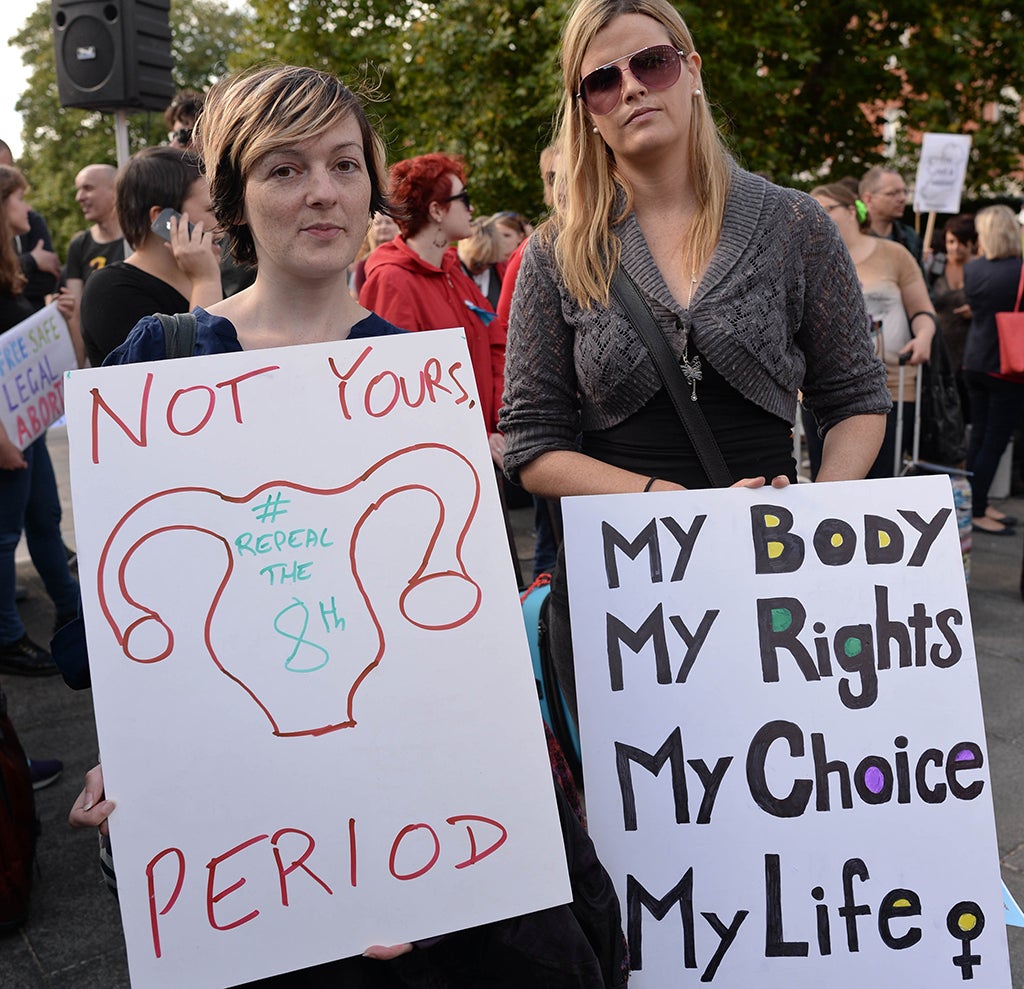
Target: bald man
point(100, 245)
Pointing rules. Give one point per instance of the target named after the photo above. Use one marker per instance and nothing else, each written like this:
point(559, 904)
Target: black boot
point(24, 658)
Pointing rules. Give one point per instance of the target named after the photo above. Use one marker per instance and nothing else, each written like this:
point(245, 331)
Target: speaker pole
point(121, 136)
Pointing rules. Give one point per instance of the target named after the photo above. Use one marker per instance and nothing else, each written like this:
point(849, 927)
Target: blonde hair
point(586, 250)
point(481, 249)
point(256, 111)
point(999, 232)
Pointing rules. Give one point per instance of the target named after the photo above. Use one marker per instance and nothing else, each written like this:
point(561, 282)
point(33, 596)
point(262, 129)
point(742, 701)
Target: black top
point(954, 326)
point(87, 255)
point(115, 298)
point(40, 283)
point(653, 441)
point(991, 287)
point(13, 309)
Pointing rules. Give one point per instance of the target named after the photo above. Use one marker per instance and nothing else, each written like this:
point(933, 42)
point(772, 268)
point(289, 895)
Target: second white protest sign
point(783, 742)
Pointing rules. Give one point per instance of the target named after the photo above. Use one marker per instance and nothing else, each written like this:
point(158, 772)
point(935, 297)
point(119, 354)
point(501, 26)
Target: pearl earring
point(696, 92)
point(594, 128)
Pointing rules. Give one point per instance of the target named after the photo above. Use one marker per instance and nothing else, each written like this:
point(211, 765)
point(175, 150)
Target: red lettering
point(211, 402)
point(299, 863)
point(432, 374)
point(464, 395)
point(405, 391)
point(474, 855)
point(343, 378)
point(98, 403)
point(212, 900)
point(376, 380)
point(352, 851)
point(34, 421)
point(408, 829)
point(233, 384)
point(53, 406)
point(24, 433)
point(151, 887)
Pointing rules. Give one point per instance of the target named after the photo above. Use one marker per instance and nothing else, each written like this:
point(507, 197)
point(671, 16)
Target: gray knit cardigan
point(778, 309)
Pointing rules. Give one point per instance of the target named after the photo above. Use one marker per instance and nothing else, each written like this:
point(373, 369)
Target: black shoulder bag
point(179, 334)
point(708, 452)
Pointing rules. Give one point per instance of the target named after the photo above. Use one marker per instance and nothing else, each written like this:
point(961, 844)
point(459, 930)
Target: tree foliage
point(498, 63)
point(59, 142)
point(807, 89)
point(456, 76)
point(803, 90)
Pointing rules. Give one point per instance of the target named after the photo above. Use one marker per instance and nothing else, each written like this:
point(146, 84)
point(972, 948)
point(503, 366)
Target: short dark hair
point(259, 110)
point(962, 227)
point(185, 106)
point(152, 177)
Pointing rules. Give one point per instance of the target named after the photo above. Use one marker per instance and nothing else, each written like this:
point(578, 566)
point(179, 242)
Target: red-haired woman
point(417, 282)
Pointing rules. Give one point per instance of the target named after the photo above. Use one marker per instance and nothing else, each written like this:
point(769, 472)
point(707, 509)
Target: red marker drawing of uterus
point(306, 591)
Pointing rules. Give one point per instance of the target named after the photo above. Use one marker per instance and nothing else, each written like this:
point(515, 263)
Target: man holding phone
point(163, 203)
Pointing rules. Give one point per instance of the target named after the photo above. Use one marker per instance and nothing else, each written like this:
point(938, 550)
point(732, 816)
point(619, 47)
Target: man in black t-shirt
point(89, 250)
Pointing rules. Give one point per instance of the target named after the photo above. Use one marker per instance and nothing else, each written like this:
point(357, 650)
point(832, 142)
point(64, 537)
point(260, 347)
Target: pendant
point(692, 372)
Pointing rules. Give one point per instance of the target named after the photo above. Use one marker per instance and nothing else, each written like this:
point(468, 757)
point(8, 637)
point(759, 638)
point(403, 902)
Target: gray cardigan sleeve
point(540, 409)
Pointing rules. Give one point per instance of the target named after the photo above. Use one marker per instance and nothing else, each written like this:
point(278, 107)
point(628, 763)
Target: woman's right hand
point(196, 253)
point(66, 304)
point(92, 809)
point(781, 481)
point(11, 458)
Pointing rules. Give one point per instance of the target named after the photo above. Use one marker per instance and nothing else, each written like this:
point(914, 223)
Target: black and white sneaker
point(44, 772)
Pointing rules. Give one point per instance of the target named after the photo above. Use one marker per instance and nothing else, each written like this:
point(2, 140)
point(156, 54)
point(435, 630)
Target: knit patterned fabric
point(778, 309)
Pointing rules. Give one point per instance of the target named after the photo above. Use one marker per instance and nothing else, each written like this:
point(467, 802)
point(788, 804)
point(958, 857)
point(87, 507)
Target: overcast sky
point(13, 14)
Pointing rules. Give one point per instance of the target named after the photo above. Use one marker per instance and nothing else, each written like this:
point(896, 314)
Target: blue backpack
point(553, 708)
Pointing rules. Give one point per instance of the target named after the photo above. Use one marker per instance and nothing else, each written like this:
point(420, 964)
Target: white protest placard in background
point(314, 698)
point(783, 744)
point(941, 171)
point(34, 355)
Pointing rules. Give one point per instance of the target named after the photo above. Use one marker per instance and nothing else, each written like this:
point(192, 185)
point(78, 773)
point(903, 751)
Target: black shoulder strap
point(179, 334)
point(708, 452)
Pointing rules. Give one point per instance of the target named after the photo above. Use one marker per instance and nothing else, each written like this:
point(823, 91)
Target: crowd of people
point(775, 304)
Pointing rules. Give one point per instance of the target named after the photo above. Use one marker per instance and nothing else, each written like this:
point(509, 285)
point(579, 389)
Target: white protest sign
point(315, 703)
point(34, 355)
point(783, 745)
point(941, 172)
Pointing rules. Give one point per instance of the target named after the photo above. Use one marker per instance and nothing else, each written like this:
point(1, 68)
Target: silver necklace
point(691, 370)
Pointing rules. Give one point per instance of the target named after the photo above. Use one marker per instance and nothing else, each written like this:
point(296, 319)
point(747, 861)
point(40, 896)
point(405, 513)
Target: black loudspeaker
point(113, 54)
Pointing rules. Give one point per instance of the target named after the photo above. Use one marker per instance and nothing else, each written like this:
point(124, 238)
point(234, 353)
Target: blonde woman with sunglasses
point(750, 283)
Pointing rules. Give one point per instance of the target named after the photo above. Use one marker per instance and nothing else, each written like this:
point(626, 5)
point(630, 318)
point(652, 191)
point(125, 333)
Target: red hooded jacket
point(411, 293)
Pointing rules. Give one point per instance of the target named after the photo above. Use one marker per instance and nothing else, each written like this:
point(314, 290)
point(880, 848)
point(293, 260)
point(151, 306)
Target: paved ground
point(73, 938)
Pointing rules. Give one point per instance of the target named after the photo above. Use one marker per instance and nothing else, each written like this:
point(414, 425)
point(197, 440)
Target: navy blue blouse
point(215, 335)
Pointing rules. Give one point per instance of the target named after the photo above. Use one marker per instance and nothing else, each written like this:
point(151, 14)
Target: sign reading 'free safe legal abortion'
point(34, 355)
point(313, 690)
point(783, 744)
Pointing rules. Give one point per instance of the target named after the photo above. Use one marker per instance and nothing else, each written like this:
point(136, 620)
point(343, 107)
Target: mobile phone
point(162, 224)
